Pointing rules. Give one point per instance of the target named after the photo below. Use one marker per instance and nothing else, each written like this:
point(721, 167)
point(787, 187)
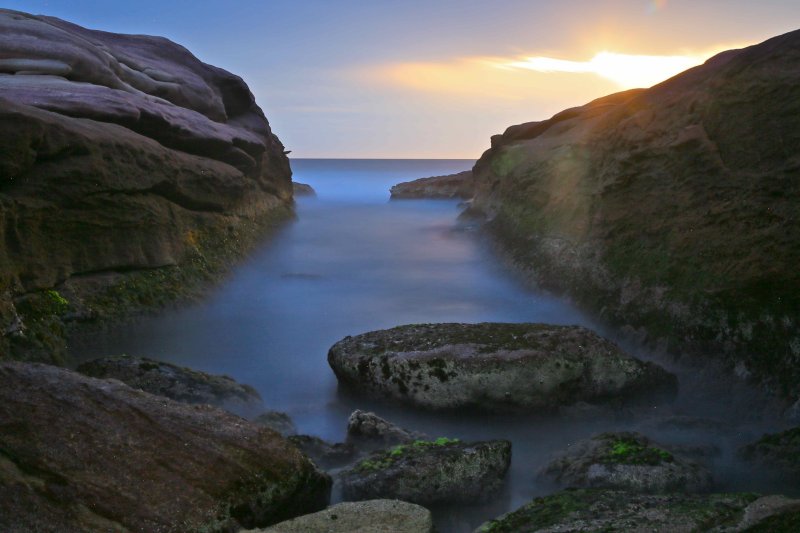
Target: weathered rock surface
point(373, 516)
point(125, 162)
point(610, 510)
point(493, 366)
point(277, 421)
point(779, 453)
point(627, 461)
point(459, 185)
point(366, 430)
point(672, 210)
point(179, 383)
point(442, 471)
point(326, 454)
point(82, 454)
point(303, 189)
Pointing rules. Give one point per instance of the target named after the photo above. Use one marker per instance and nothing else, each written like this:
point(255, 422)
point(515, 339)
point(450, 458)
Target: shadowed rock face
point(671, 210)
point(120, 154)
point(83, 454)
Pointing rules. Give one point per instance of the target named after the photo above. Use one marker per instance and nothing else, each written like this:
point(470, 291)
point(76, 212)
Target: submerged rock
point(177, 382)
point(459, 185)
point(610, 510)
point(280, 422)
point(628, 461)
point(372, 516)
point(83, 454)
point(441, 471)
point(366, 430)
point(778, 452)
point(302, 189)
point(494, 367)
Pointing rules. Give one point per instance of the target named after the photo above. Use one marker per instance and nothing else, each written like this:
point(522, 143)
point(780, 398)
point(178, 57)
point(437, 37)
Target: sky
point(432, 78)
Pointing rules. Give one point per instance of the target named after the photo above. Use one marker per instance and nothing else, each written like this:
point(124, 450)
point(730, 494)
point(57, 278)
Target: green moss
point(385, 459)
point(631, 451)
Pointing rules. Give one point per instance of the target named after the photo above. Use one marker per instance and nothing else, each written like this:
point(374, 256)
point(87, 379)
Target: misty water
point(352, 262)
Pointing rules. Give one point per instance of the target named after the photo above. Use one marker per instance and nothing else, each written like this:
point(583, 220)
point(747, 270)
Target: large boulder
point(611, 510)
point(459, 185)
point(493, 367)
point(671, 211)
point(84, 454)
point(176, 382)
point(441, 471)
point(627, 461)
point(373, 516)
point(777, 453)
point(128, 170)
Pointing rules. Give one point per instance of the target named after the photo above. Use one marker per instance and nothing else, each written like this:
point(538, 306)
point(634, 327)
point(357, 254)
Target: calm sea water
point(352, 262)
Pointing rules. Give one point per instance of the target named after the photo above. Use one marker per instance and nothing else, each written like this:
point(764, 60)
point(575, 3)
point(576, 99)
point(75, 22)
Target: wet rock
point(610, 510)
point(442, 471)
point(179, 383)
point(494, 367)
point(372, 516)
point(327, 455)
point(83, 454)
point(778, 453)
point(366, 430)
point(280, 422)
point(302, 189)
point(459, 185)
point(628, 461)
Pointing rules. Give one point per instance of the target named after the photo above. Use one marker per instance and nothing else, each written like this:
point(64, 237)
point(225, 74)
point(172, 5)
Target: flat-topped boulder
point(84, 454)
point(179, 383)
point(440, 471)
point(627, 461)
point(494, 367)
point(459, 185)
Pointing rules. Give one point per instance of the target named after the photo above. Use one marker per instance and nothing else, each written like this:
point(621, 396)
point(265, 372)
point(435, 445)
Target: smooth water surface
point(354, 261)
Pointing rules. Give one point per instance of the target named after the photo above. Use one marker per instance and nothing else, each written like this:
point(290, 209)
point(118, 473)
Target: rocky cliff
point(128, 170)
point(672, 212)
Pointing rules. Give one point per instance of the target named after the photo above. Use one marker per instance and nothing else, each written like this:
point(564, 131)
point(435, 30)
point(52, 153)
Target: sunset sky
point(433, 79)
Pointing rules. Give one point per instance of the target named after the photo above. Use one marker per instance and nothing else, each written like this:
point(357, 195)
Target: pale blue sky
point(414, 78)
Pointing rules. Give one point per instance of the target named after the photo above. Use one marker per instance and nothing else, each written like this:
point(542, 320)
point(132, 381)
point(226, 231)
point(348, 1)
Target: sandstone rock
point(459, 185)
point(627, 461)
point(280, 422)
point(778, 453)
point(302, 189)
point(493, 367)
point(179, 383)
point(442, 471)
point(373, 516)
point(610, 510)
point(366, 430)
point(672, 209)
point(123, 159)
point(83, 454)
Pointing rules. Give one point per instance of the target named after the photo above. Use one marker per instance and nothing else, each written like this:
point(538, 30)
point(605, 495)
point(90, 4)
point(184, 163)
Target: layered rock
point(84, 454)
point(671, 210)
point(459, 185)
point(441, 471)
point(121, 155)
point(494, 367)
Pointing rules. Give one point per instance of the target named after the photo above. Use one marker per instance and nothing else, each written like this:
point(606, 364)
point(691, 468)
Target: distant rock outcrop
point(128, 169)
point(83, 454)
point(459, 185)
point(672, 212)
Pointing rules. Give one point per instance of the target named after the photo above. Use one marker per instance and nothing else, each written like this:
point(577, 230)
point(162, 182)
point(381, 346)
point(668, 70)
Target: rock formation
point(128, 170)
point(459, 185)
point(671, 211)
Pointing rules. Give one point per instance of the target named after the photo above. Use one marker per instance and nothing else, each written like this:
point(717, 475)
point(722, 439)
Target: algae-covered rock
point(627, 461)
point(494, 367)
point(83, 454)
point(441, 471)
point(179, 383)
point(366, 430)
point(459, 185)
point(372, 516)
point(610, 510)
point(778, 453)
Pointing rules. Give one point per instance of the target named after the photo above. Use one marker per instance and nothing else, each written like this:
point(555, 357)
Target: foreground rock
point(778, 453)
point(669, 210)
point(627, 461)
point(373, 516)
point(179, 383)
point(366, 430)
point(609, 510)
point(130, 172)
point(459, 185)
point(493, 367)
point(82, 454)
point(442, 471)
